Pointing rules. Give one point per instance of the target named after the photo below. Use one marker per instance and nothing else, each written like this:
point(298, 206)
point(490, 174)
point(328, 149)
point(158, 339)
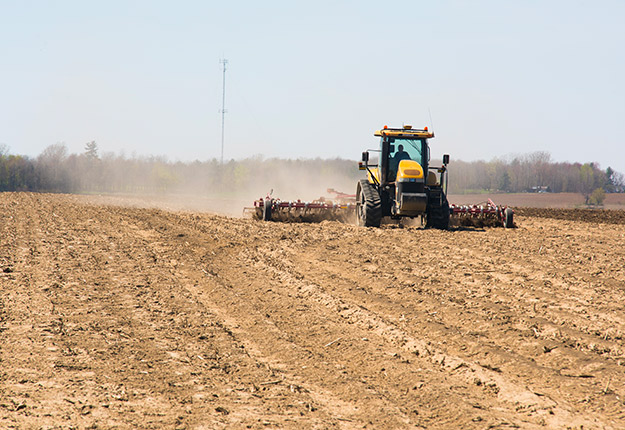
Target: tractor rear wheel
point(508, 221)
point(438, 211)
point(267, 206)
point(368, 205)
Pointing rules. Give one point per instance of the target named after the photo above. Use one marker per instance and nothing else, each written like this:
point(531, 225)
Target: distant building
point(539, 189)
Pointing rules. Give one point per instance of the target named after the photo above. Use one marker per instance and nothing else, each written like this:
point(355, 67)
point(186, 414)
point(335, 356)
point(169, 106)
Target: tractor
point(402, 183)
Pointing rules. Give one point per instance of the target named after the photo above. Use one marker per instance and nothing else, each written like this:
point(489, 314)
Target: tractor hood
point(409, 171)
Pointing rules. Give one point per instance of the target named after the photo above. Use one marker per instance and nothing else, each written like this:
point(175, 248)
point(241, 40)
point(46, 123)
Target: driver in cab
point(397, 157)
point(400, 155)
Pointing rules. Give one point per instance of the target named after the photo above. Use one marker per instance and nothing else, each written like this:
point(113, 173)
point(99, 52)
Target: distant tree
point(91, 150)
point(614, 181)
point(241, 174)
point(163, 177)
point(618, 181)
point(505, 182)
point(540, 166)
point(608, 175)
point(586, 180)
point(597, 197)
point(53, 175)
point(16, 173)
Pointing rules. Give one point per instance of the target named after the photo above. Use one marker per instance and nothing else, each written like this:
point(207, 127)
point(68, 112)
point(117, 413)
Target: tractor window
point(403, 149)
point(406, 149)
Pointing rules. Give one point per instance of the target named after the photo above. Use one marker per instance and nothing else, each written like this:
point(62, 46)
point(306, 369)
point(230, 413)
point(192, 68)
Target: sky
point(492, 79)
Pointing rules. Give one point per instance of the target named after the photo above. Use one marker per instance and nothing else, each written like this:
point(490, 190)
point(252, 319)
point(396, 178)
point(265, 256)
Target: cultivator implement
point(342, 207)
point(482, 214)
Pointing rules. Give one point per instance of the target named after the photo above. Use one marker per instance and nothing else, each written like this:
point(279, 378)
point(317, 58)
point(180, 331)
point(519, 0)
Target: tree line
point(57, 170)
point(534, 172)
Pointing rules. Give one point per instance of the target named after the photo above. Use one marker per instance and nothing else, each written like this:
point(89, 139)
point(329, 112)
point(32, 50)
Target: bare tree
point(53, 174)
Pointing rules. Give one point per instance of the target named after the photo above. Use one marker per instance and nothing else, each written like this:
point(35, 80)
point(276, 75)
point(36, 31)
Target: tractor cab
point(403, 156)
point(404, 153)
point(401, 180)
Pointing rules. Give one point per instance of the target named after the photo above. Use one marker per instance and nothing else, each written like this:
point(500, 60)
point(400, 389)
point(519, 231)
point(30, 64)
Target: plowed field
point(122, 317)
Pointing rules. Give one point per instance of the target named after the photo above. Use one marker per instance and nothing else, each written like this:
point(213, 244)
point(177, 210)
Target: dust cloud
point(197, 186)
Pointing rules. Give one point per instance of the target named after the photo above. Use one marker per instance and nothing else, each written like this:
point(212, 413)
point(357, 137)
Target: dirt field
point(125, 317)
point(539, 200)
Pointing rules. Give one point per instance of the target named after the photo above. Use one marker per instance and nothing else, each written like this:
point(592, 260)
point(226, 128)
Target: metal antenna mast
point(223, 108)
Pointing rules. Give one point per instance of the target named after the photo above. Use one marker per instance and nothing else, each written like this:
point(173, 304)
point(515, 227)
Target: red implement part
point(298, 204)
point(269, 209)
point(484, 213)
point(342, 197)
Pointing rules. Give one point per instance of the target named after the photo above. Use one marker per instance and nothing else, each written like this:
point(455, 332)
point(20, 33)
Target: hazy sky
point(308, 79)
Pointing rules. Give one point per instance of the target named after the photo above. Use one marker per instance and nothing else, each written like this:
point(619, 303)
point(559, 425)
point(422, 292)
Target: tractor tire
point(267, 206)
point(368, 205)
point(438, 213)
point(508, 220)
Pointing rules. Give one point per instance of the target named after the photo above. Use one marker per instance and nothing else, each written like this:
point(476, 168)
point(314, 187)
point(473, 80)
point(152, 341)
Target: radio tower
point(224, 62)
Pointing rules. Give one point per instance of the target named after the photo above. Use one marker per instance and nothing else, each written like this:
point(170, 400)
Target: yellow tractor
point(402, 183)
